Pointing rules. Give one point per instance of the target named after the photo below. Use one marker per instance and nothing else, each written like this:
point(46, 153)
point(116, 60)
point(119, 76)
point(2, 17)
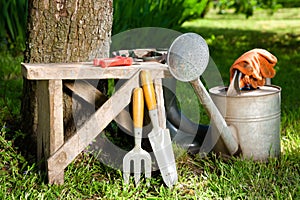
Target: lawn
point(228, 36)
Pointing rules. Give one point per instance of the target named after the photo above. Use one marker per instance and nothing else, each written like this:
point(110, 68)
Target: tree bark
point(63, 31)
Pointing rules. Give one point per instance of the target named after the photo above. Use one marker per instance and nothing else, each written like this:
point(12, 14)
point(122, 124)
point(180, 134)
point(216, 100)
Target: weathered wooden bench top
point(86, 70)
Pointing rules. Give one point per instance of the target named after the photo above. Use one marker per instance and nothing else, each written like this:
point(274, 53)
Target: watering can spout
point(188, 58)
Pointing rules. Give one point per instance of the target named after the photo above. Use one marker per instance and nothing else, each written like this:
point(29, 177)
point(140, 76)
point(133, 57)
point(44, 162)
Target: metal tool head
point(188, 57)
point(161, 143)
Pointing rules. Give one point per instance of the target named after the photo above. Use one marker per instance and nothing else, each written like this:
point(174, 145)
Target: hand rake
point(137, 155)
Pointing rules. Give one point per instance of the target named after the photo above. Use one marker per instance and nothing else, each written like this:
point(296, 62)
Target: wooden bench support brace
point(97, 122)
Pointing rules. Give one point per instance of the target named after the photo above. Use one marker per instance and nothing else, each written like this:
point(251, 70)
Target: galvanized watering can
point(255, 115)
point(248, 123)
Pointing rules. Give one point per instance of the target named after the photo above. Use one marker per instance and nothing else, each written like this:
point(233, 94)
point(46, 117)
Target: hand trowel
point(160, 139)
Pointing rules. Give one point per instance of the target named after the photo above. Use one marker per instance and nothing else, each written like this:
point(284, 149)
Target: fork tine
point(126, 168)
point(147, 163)
point(137, 170)
point(126, 177)
point(137, 178)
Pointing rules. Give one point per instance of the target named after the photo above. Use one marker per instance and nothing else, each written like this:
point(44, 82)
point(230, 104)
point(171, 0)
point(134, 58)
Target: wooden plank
point(43, 127)
point(96, 123)
point(87, 92)
point(94, 97)
point(50, 124)
point(76, 71)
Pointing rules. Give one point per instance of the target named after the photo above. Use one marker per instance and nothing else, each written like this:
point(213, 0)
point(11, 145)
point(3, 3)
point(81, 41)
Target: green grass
point(211, 177)
point(10, 86)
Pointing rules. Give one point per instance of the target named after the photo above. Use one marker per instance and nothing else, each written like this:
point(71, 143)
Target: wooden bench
point(51, 143)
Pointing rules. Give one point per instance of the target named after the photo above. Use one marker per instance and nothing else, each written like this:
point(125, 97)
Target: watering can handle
point(234, 87)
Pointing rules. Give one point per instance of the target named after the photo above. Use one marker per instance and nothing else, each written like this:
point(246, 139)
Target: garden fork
point(137, 155)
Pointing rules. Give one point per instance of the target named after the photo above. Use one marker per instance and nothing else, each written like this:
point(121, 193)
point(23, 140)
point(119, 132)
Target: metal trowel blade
point(162, 147)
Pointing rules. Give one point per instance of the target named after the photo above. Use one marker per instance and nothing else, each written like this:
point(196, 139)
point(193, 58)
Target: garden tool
point(188, 58)
point(256, 65)
point(113, 62)
point(160, 139)
point(137, 155)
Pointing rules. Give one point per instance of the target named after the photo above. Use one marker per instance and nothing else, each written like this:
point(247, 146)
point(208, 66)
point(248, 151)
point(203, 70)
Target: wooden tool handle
point(148, 88)
point(138, 107)
point(112, 62)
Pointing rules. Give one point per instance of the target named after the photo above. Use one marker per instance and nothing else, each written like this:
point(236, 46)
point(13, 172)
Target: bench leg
point(50, 124)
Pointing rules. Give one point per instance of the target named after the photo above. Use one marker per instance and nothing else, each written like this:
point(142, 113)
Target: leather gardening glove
point(256, 65)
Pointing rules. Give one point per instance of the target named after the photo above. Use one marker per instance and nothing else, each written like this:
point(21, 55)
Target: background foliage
point(130, 14)
point(13, 16)
point(289, 3)
point(246, 7)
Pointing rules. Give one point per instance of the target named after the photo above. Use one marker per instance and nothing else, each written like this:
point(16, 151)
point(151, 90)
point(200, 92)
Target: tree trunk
point(63, 31)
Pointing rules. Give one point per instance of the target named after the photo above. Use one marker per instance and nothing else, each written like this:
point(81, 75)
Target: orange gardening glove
point(256, 65)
